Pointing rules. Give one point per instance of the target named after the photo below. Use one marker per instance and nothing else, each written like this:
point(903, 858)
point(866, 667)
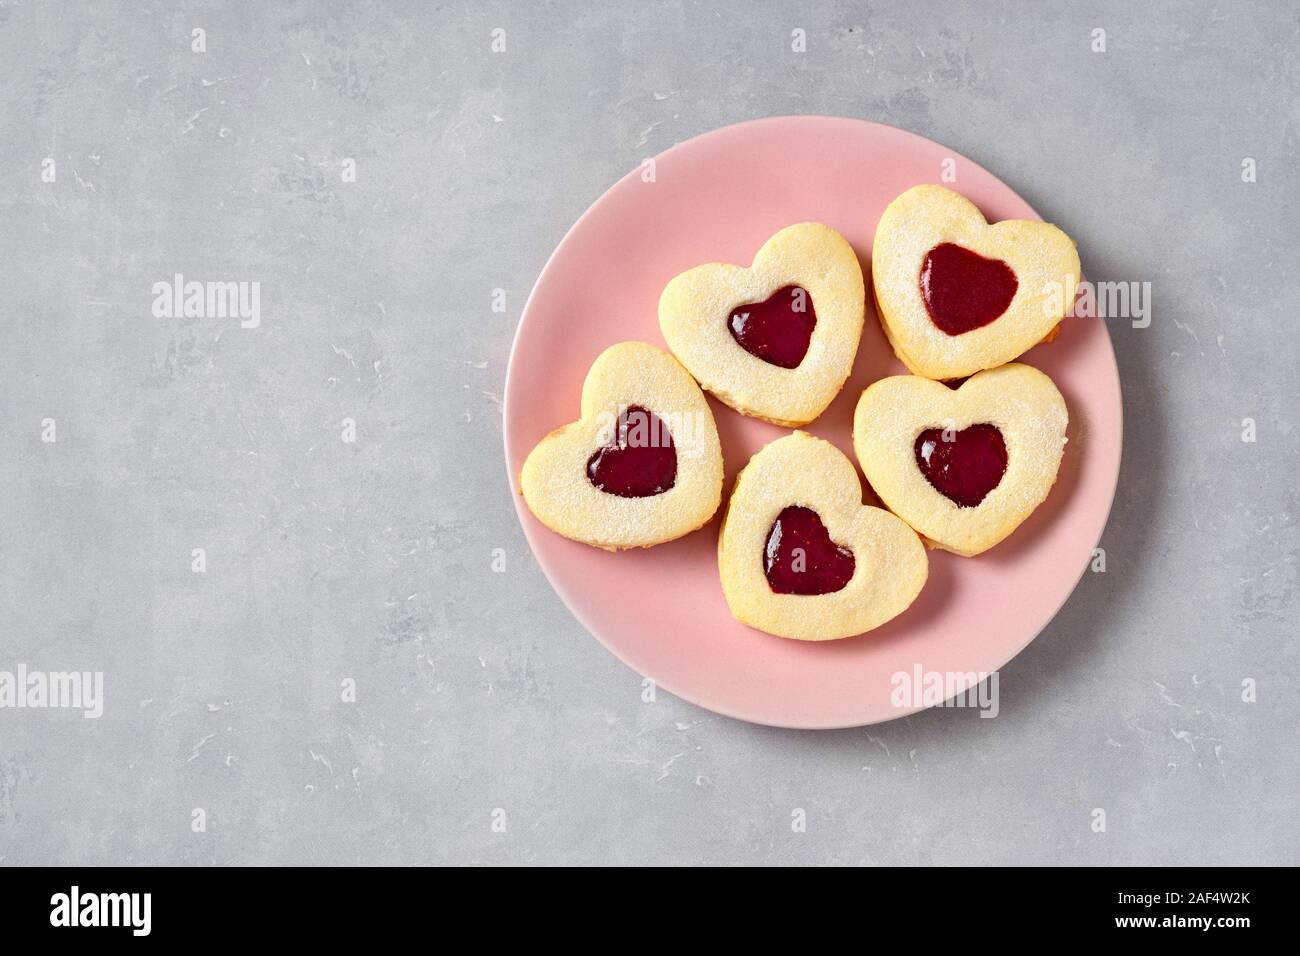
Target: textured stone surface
point(371, 560)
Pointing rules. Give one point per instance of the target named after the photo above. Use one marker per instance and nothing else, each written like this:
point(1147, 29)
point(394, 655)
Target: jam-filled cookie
point(957, 295)
point(963, 467)
point(643, 464)
point(776, 340)
point(800, 555)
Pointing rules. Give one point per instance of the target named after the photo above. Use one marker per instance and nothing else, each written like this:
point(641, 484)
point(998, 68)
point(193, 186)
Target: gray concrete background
point(371, 561)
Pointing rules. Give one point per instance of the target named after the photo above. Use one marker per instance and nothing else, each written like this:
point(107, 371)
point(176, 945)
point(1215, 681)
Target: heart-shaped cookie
point(963, 467)
point(643, 465)
point(800, 555)
point(957, 295)
point(776, 340)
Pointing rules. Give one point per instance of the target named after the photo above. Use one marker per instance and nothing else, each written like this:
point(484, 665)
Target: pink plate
point(716, 198)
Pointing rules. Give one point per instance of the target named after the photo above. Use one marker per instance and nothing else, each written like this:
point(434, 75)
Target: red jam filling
point(801, 558)
point(642, 461)
point(966, 467)
point(777, 330)
point(963, 290)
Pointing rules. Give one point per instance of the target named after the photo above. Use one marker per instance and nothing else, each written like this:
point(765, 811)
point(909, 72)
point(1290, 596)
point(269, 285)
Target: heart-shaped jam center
point(642, 460)
point(778, 329)
point(962, 466)
point(801, 558)
point(963, 290)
